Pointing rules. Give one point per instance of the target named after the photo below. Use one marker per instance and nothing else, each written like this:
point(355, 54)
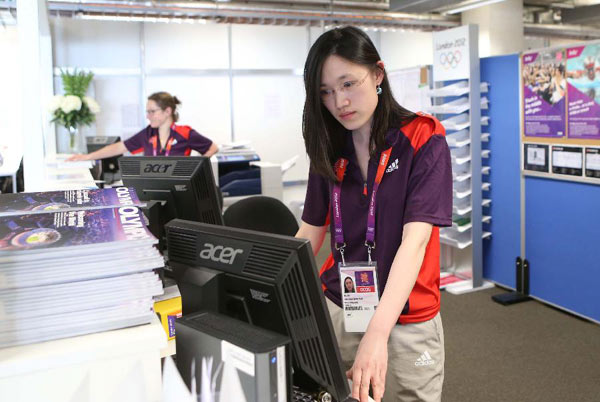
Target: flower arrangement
point(74, 109)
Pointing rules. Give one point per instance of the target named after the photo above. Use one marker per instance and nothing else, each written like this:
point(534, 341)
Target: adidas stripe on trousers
point(415, 357)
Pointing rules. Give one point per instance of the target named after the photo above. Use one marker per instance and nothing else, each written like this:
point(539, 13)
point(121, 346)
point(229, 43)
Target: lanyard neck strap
point(155, 140)
point(340, 168)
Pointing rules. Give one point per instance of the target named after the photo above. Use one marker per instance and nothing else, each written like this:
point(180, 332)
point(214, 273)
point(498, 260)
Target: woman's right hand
point(78, 157)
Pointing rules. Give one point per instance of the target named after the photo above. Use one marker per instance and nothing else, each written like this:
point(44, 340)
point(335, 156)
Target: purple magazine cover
point(65, 229)
point(50, 201)
point(544, 89)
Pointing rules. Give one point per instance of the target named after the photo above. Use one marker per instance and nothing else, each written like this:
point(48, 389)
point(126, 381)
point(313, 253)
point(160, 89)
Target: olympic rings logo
point(450, 59)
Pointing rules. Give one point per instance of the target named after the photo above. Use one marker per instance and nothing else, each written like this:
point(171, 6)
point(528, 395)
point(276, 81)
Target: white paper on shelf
point(456, 89)
point(457, 123)
point(458, 139)
point(567, 159)
point(592, 161)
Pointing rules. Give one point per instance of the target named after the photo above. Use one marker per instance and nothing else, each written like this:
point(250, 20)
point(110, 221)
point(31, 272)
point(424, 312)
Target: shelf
point(457, 123)
point(456, 106)
point(464, 228)
point(456, 89)
point(461, 160)
point(465, 208)
point(460, 241)
point(485, 170)
point(458, 194)
point(461, 138)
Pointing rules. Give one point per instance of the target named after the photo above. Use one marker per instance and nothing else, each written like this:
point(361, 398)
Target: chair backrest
point(265, 214)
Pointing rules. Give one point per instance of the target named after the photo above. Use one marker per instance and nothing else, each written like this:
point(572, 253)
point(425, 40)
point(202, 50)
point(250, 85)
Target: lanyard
point(340, 168)
point(154, 141)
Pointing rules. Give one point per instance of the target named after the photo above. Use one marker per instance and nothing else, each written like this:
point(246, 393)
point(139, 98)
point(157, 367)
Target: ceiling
point(579, 19)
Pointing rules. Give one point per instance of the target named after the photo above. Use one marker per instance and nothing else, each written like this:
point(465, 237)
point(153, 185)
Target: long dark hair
point(323, 134)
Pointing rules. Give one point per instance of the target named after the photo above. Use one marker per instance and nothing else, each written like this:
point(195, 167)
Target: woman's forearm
point(403, 275)
point(212, 150)
point(315, 234)
point(117, 148)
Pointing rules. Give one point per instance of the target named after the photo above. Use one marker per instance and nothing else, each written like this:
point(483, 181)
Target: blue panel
point(563, 243)
point(500, 252)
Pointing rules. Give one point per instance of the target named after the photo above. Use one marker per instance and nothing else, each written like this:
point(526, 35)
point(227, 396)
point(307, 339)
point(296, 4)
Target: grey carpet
point(524, 352)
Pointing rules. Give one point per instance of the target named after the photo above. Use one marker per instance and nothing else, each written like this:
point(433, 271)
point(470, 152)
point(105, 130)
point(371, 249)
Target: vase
point(75, 141)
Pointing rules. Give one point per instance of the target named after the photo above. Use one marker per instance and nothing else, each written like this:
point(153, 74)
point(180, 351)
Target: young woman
point(348, 285)
point(367, 153)
point(161, 137)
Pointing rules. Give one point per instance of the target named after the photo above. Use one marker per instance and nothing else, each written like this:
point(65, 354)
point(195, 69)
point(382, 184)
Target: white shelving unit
point(458, 97)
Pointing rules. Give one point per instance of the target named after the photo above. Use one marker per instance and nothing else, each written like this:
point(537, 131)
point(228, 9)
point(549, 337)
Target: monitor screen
point(267, 280)
point(174, 187)
point(108, 165)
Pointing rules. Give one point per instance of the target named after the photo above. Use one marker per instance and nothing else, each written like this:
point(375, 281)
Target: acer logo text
point(225, 255)
point(156, 168)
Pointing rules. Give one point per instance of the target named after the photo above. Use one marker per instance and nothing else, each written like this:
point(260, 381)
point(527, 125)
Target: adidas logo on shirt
point(425, 360)
point(393, 166)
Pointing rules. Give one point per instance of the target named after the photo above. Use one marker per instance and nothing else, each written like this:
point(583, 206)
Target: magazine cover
point(583, 77)
point(66, 229)
point(50, 201)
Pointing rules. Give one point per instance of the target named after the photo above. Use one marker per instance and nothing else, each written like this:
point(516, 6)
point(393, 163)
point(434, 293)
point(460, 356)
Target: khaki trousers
point(415, 357)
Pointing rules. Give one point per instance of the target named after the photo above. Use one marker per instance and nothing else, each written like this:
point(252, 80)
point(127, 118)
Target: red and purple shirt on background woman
point(182, 140)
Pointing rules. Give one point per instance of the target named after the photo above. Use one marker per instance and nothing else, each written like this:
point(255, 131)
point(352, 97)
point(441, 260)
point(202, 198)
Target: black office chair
point(265, 214)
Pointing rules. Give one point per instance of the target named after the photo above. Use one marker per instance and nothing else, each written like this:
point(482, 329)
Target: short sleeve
point(429, 192)
point(198, 142)
point(316, 204)
point(135, 144)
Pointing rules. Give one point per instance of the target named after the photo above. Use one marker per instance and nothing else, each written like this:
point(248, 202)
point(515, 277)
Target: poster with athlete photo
point(68, 200)
point(544, 90)
point(583, 79)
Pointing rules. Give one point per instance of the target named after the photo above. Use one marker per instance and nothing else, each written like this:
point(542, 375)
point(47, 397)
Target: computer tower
point(233, 360)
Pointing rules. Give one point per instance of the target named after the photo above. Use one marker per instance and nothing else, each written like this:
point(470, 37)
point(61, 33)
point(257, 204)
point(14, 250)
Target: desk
point(120, 365)
point(11, 161)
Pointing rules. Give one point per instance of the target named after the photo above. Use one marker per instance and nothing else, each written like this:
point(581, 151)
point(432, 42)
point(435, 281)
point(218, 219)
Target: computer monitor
point(267, 280)
point(174, 187)
point(108, 167)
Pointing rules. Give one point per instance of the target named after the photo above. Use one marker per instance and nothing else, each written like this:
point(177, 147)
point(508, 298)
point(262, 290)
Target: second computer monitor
point(267, 280)
point(174, 187)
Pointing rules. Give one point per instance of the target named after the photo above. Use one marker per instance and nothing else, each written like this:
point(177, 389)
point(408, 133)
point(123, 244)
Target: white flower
point(70, 103)
point(55, 103)
point(92, 104)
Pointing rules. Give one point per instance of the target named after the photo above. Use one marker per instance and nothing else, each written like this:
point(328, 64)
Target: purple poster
point(544, 88)
point(583, 78)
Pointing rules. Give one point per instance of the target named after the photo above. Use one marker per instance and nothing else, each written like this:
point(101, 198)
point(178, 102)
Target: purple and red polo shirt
point(416, 187)
point(185, 139)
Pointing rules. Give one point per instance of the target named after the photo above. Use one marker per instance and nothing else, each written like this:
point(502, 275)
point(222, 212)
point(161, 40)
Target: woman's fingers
point(364, 386)
point(356, 378)
point(378, 383)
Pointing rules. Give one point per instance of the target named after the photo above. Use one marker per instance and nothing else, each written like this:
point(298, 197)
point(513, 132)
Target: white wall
point(192, 61)
point(406, 49)
point(10, 82)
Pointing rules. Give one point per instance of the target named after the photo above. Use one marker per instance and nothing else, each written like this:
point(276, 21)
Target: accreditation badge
point(360, 294)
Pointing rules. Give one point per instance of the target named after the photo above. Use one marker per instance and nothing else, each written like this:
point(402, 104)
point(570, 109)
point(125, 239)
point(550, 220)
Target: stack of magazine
point(74, 262)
